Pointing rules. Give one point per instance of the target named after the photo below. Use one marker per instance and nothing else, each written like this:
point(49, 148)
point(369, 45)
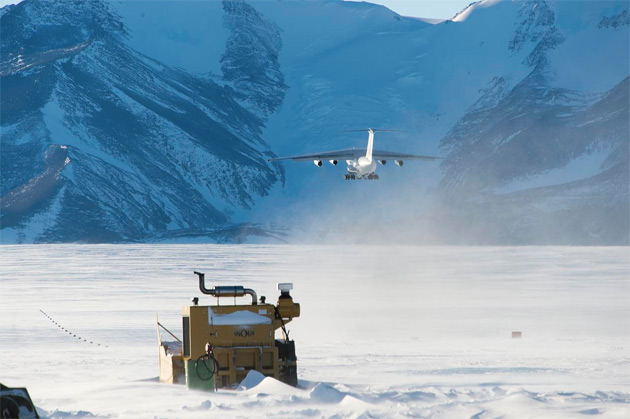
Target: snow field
point(384, 331)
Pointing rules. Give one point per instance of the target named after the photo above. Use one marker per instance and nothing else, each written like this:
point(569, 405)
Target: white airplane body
point(361, 162)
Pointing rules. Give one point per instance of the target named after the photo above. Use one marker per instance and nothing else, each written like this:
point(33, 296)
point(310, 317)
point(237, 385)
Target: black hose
point(284, 329)
point(215, 367)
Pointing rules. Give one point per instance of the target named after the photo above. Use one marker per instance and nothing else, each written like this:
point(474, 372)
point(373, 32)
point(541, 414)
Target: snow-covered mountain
point(149, 147)
point(543, 161)
point(148, 120)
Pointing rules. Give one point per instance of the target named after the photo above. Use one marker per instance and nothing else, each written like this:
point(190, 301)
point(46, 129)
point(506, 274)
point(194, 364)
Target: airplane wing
point(355, 153)
point(348, 154)
point(386, 155)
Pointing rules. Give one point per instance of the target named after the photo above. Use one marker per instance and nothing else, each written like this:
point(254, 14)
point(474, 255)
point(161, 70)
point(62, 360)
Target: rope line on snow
point(69, 332)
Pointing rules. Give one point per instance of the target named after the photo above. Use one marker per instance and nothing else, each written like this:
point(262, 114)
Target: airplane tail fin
point(371, 132)
point(370, 145)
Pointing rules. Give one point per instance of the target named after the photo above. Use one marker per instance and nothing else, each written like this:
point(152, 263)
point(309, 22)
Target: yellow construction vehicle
point(222, 343)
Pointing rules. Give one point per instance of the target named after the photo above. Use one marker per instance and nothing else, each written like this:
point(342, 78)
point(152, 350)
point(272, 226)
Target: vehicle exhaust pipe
point(226, 290)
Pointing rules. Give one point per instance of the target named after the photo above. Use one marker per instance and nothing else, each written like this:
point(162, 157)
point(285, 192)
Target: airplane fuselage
point(361, 167)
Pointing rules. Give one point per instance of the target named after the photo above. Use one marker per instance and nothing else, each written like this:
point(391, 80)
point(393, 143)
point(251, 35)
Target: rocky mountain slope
point(150, 148)
point(135, 121)
point(541, 163)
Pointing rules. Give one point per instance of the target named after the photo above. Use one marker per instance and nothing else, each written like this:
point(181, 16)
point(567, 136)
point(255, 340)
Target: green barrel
point(200, 374)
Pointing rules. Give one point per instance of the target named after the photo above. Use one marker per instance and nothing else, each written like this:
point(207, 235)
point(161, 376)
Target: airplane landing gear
point(349, 177)
point(372, 177)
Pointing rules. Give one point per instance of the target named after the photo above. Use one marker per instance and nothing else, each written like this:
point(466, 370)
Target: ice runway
point(384, 331)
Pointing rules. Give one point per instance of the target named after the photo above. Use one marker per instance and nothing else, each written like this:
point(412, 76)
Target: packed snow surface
point(243, 317)
point(383, 331)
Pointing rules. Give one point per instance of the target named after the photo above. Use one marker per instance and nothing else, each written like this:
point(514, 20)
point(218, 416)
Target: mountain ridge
point(175, 141)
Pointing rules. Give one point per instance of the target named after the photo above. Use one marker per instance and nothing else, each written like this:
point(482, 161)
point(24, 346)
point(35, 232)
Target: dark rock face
point(151, 149)
point(512, 135)
point(617, 21)
point(537, 19)
point(26, 199)
point(250, 60)
point(537, 26)
point(533, 130)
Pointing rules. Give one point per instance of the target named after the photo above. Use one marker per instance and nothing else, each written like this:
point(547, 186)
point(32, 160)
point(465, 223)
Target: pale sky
point(442, 9)
point(436, 9)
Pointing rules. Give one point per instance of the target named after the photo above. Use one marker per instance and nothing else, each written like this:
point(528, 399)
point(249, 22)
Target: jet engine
point(399, 162)
point(318, 163)
point(382, 162)
point(333, 162)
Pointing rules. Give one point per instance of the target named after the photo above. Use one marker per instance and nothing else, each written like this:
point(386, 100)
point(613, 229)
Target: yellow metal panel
point(238, 347)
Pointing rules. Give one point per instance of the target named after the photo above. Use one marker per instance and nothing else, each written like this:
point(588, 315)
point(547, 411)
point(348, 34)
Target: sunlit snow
point(384, 331)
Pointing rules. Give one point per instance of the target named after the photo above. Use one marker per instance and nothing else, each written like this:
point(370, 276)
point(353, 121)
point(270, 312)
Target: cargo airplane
point(361, 161)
